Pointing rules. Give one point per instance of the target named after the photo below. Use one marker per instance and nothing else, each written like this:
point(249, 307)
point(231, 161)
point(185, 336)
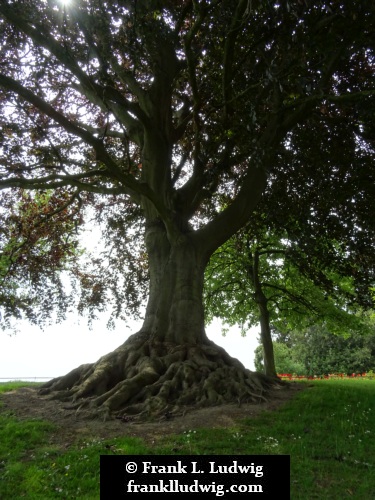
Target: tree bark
point(174, 311)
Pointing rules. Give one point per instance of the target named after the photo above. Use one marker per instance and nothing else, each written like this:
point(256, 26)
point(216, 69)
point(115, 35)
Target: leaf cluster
point(38, 242)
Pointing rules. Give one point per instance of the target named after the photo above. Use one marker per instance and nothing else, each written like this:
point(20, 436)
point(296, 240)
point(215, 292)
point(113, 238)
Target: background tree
point(321, 352)
point(252, 279)
point(169, 107)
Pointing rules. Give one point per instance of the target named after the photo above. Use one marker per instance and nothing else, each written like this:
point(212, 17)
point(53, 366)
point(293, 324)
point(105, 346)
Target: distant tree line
point(316, 351)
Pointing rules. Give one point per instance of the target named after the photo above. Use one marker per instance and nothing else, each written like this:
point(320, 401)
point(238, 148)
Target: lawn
point(328, 430)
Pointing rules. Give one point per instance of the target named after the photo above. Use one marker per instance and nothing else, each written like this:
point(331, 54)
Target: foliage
point(323, 353)
point(38, 241)
point(329, 223)
point(285, 362)
point(253, 278)
point(172, 110)
point(114, 276)
point(255, 260)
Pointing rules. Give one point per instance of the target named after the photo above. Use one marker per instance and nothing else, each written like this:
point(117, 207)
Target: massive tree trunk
point(170, 364)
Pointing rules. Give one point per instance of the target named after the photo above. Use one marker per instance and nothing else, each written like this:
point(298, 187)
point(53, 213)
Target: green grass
point(328, 430)
point(9, 386)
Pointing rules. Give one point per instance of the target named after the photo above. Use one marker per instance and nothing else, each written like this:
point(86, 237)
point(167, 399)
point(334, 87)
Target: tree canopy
point(253, 261)
point(186, 115)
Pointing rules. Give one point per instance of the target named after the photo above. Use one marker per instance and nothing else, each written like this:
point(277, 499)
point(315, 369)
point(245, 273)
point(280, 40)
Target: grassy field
point(328, 430)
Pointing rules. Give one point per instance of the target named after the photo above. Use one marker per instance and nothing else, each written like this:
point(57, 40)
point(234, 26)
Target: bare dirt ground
point(73, 425)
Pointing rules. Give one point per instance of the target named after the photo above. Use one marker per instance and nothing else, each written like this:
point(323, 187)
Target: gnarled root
point(148, 378)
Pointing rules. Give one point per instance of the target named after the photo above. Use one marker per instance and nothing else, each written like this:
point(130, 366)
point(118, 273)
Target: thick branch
point(230, 220)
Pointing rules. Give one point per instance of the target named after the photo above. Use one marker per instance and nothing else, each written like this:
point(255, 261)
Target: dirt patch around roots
point(72, 425)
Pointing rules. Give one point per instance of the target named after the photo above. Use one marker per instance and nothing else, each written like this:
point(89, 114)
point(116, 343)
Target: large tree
point(172, 110)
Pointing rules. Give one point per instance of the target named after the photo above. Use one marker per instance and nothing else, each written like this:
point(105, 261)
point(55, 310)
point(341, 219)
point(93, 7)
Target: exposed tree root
point(148, 379)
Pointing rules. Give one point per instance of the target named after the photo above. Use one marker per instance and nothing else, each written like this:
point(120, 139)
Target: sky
point(33, 353)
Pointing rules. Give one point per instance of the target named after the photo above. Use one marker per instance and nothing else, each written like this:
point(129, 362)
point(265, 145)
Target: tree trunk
point(174, 311)
point(264, 316)
point(266, 338)
point(170, 364)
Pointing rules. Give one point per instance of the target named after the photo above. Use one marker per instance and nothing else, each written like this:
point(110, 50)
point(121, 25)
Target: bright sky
point(61, 348)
